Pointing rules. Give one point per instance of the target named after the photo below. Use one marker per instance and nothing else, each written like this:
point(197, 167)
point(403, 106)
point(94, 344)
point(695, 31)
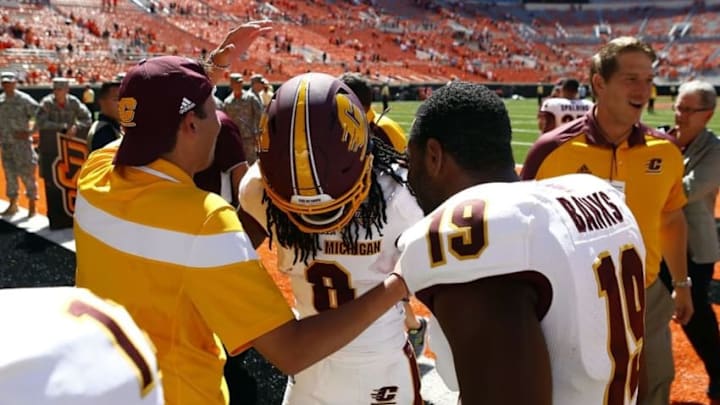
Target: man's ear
point(598, 83)
point(187, 123)
point(434, 158)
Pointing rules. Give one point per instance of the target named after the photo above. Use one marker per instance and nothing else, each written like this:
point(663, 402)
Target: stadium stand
point(402, 41)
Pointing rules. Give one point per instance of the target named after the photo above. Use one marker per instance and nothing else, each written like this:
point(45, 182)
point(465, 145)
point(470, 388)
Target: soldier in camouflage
point(245, 109)
point(59, 112)
point(18, 156)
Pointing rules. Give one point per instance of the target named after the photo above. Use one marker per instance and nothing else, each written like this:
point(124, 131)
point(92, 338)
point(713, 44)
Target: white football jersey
point(578, 242)
point(557, 111)
point(66, 346)
point(340, 273)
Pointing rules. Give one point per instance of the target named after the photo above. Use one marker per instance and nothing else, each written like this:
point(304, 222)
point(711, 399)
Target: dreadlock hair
point(370, 216)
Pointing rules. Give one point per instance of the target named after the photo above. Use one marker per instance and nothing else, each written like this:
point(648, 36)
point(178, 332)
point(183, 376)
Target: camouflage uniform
point(245, 113)
point(18, 156)
point(51, 119)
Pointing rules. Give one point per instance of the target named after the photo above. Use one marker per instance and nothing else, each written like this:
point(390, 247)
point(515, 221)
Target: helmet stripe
point(311, 154)
point(304, 180)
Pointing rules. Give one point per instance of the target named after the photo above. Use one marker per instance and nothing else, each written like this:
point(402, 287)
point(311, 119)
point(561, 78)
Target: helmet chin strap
point(321, 220)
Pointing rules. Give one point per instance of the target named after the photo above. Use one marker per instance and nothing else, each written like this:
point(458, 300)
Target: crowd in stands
point(413, 40)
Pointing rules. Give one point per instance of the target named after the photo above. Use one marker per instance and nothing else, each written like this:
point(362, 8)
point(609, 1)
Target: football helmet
point(313, 152)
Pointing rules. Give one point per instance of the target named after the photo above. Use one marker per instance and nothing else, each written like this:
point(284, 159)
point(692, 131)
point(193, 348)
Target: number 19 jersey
point(577, 242)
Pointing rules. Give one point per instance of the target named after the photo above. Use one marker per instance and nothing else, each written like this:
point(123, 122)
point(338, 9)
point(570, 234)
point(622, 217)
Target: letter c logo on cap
point(126, 111)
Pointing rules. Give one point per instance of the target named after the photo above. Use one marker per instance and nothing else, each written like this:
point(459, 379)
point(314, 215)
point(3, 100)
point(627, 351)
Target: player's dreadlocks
point(370, 216)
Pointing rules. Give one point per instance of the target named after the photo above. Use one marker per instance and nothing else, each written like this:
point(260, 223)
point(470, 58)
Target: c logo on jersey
point(355, 129)
point(654, 165)
point(126, 111)
point(385, 395)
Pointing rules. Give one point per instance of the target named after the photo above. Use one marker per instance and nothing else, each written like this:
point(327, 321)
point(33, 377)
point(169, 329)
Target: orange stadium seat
point(393, 39)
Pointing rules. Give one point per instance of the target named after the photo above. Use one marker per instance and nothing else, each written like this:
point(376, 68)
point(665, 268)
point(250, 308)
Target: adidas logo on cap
point(186, 105)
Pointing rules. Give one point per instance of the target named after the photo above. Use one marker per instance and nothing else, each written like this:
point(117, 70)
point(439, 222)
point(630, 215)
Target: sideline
point(39, 225)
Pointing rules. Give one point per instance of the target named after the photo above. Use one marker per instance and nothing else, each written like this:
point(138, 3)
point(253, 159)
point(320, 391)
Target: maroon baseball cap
point(154, 96)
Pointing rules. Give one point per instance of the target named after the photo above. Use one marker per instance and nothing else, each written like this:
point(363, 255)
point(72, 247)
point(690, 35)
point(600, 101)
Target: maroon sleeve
point(546, 144)
point(537, 154)
point(229, 147)
point(669, 135)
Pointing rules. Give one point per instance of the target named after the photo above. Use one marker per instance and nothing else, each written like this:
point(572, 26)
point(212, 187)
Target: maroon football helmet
point(313, 152)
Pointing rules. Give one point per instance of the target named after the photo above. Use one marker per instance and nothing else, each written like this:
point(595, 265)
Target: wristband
point(682, 284)
point(210, 62)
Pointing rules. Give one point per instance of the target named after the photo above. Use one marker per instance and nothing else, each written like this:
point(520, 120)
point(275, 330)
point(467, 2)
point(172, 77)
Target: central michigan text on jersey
point(576, 241)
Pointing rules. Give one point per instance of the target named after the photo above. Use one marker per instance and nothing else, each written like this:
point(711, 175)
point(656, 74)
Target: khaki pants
point(19, 160)
point(659, 367)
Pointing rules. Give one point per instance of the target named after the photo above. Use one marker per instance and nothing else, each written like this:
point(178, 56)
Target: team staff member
point(176, 256)
point(694, 109)
point(611, 143)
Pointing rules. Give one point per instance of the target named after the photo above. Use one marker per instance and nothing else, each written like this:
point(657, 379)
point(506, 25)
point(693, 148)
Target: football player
point(64, 345)
point(331, 200)
point(563, 108)
point(538, 286)
point(384, 129)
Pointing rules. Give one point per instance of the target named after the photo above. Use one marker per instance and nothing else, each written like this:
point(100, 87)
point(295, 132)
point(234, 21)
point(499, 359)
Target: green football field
point(524, 123)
